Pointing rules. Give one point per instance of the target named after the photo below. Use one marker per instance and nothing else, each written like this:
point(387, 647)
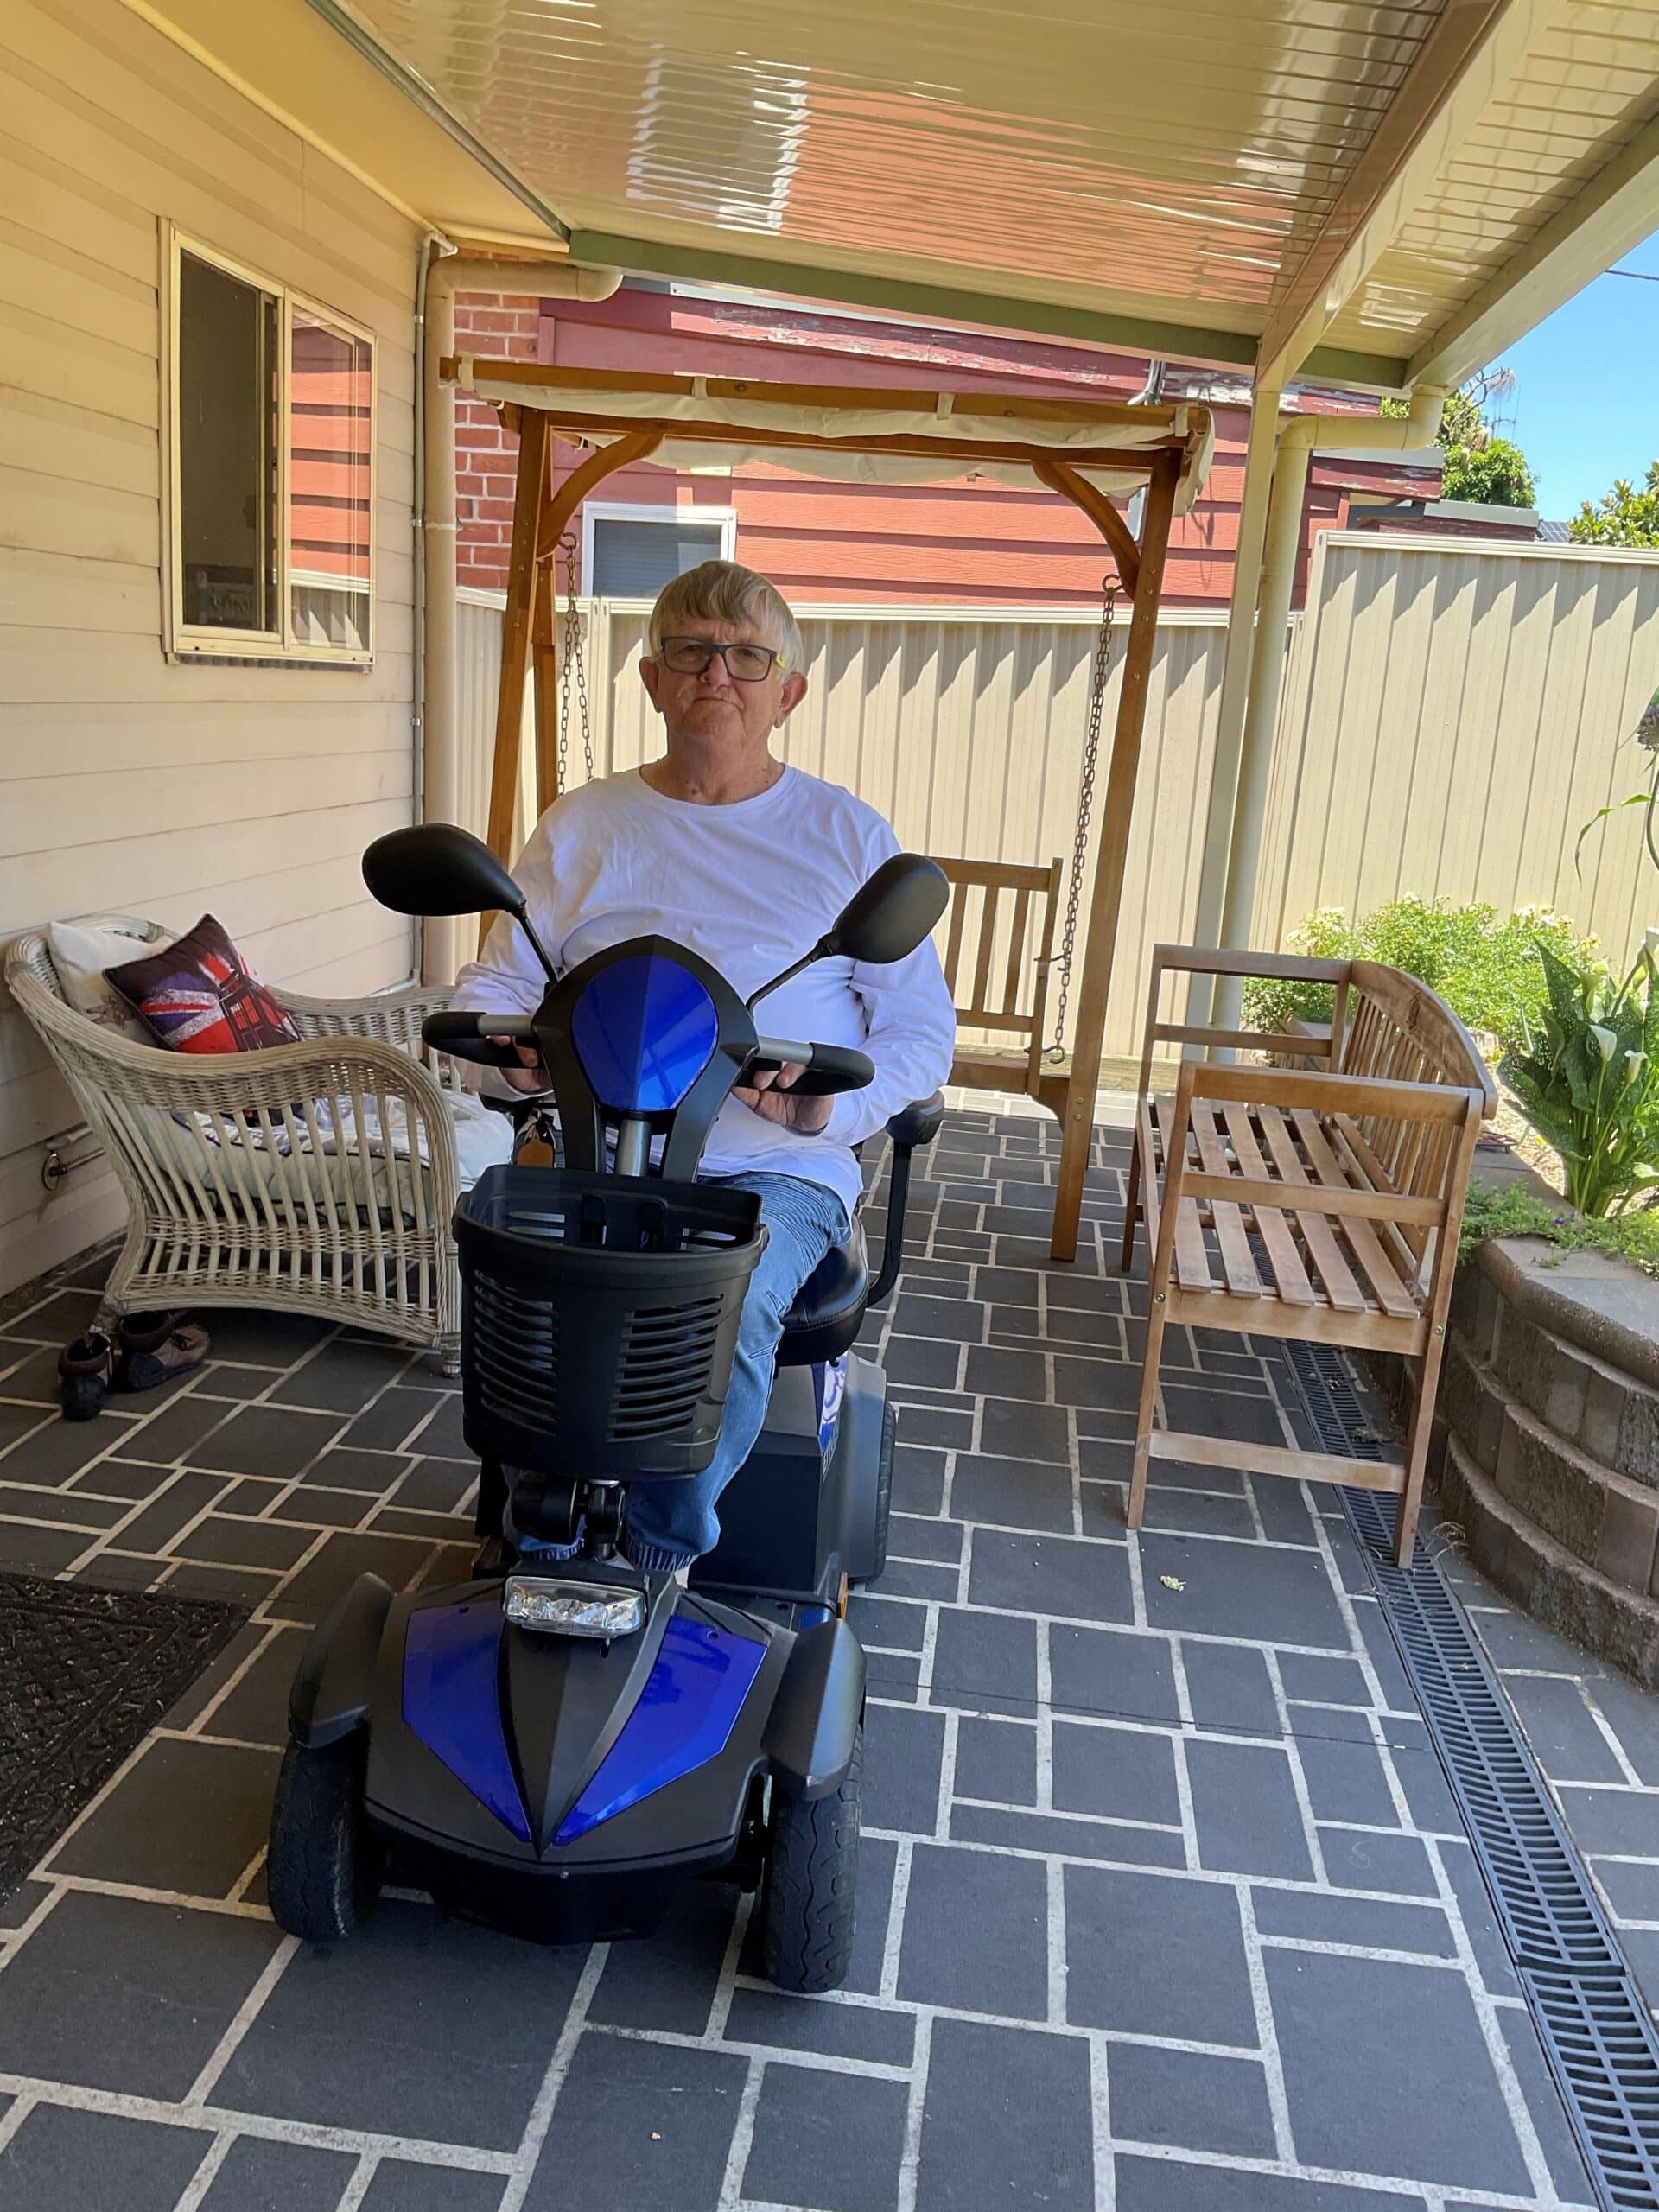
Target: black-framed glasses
point(744, 663)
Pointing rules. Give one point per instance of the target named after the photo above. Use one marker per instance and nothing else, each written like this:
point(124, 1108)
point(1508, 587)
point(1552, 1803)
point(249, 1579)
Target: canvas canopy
point(857, 437)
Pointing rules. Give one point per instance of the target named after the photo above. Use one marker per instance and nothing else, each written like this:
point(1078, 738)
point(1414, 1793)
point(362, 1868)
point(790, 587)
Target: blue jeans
point(671, 1522)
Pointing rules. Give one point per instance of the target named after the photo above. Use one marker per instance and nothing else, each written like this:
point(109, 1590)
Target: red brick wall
point(486, 456)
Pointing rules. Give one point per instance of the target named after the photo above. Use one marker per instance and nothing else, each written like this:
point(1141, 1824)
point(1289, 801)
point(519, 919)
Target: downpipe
point(435, 700)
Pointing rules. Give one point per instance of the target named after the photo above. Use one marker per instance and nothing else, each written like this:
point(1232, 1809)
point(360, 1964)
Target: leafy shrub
point(1487, 971)
point(1586, 1074)
point(1512, 1210)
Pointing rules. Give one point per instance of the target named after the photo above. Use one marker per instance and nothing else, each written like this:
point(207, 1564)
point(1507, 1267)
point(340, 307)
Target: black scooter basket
point(599, 1318)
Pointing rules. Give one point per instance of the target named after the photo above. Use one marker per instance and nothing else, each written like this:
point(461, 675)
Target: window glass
point(229, 399)
point(634, 560)
point(331, 393)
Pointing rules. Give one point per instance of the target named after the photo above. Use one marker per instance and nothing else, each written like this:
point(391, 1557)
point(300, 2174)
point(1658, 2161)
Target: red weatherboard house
point(958, 544)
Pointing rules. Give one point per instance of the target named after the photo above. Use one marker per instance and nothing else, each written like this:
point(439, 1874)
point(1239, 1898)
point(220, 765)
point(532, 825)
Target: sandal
point(84, 1375)
point(154, 1348)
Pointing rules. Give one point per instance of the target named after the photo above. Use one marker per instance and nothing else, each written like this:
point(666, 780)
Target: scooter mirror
point(438, 868)
point(888, 917)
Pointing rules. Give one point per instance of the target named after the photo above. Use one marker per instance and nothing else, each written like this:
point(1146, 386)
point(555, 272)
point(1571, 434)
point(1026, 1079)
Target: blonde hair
point(721, 591)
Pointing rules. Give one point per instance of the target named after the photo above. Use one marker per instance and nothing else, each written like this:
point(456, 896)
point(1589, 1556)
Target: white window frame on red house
point(594, 510)
point(184, 640)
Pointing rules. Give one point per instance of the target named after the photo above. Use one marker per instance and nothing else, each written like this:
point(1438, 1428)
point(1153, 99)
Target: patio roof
point(1375, 191)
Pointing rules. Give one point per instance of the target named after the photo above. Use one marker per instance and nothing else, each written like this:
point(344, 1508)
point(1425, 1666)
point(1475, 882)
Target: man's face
point(716, 708)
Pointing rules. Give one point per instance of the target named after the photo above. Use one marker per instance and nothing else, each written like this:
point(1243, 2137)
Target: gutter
point(435, 628)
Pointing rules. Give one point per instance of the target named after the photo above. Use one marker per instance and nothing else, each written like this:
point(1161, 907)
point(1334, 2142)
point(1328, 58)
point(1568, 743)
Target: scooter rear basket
point(599, 1318)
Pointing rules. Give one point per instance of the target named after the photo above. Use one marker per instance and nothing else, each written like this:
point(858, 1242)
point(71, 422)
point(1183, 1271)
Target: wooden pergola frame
point(543, 512)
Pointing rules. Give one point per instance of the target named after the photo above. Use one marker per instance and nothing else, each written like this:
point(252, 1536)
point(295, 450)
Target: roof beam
point(1615, 211)
point(1475, 49)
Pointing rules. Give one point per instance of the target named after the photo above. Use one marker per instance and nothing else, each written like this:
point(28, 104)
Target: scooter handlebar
point(825, 1069)
point(467, 1036)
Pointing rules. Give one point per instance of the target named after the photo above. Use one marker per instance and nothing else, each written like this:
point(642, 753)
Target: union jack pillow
point(200, 996)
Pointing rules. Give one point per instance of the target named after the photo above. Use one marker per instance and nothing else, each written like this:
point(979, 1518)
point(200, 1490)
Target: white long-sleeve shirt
point(750, 887)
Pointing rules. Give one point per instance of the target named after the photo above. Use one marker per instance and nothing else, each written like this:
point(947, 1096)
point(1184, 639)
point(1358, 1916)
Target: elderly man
point(724, 848)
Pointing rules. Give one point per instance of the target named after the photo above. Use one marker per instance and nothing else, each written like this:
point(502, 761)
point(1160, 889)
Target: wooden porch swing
point(1088, 452)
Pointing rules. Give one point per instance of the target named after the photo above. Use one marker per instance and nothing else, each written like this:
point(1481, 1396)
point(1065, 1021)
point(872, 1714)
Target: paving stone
point(1004, 1969)
point(829, 2141)
point(1054, 1836)
point(1245, 1811)
point(342, 1559)
point(1227, 1686)
point(1205, 1411)
point(28, 1372)
point(53, 1454)
point(894, 1676)
point(55, 1319)
point(1189, 2101)
point(865, 2033)
point(1009, 1429)
point(266, 1440)
point(917, 1314)
point(219, 1379)
point(951, 1431)
point(185, 1816)
point(1430, 1806)
point(1360, 1859)
point(890, 1622)
point(1156, 1954)
point(1562, 1730)
point(436, 1485)
point(418, 2025)
point(1392, 1684)
point(921, 1359)
point(916, 1536)
point(1124, 1774)
point(1011, 1493)
point(639, 2126)
point(343, 1376)
point(126, 1479)
point(1364, 2041)
point(246, 1586)
point(62, 2161)
point(1008, 2121)
point(877, 1859)
point(158, 1525)
point(394, 1419)
point(669, 1983)
point(258, 1338)
point(75, 1509)
point(1119, 1673)
point(1317, 1916)
point(1633, 1886)
point(907, 1578)
point(996, 1759)
point(902, 1751)
point(1174, 1510)
point(1618, 1822)
point(1544, 2107)
point(310, 1507)
point(1633, 1715)
point(119, 1993)
point(1165, 2186)
point(343, 1467)
point(265, 2176)
point(400, 2185)
point(1319, 1681)
point(1255, 1593)
point(1475, 1911)
point(1346, 1782)
point(225, 1539)
point(918, 1477)
point(1512, 1641)
point(978, 1656)
point(1051, 1574)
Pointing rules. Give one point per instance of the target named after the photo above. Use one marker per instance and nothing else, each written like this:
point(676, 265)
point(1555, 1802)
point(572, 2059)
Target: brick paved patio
point(1164, 1902)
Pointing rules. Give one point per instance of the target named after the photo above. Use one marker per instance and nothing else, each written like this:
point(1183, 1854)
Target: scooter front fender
point(335, 1685)
point(814, 1719)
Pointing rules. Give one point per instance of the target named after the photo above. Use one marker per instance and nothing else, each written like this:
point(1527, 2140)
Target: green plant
point(1513, 1209)
point(1623, 516)
point(1486, 969)
point(1479, 464)
point(1586, 1074)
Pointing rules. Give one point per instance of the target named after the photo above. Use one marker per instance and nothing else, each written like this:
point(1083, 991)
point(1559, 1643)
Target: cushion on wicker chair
point(80, 952)
point(200, 996)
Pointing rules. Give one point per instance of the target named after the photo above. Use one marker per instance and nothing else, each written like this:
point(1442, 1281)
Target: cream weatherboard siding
point(128, 782)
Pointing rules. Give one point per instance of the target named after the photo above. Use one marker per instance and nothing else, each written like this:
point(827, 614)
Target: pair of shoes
point(84, 1373)
point(153, 1348)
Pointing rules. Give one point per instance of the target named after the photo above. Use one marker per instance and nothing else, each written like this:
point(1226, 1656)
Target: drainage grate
point(1595, 2028)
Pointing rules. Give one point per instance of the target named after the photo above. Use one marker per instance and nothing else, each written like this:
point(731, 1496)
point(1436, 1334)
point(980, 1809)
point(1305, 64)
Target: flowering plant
point(1586, 1074)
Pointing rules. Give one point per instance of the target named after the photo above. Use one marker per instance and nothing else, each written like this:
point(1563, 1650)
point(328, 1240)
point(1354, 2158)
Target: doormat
point(84, 1675)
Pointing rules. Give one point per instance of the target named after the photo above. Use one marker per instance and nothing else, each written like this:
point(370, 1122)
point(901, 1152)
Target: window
point(630, 551)
point(271, 427)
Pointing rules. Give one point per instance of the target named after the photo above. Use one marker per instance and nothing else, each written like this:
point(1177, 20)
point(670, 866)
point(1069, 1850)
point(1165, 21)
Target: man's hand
point(765, 1097)
point(530, 1076)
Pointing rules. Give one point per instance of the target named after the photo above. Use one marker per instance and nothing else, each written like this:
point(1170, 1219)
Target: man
point(723, 848)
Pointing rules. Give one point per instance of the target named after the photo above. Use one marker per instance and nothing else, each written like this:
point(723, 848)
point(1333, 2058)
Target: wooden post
point(1079, 1121)
point(528, 497)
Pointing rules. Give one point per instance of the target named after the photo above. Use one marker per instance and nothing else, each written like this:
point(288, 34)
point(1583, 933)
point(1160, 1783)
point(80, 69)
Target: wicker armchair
point(239, 1191)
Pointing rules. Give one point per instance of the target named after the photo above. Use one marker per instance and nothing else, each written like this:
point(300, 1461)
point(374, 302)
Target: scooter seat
point(828, 1307)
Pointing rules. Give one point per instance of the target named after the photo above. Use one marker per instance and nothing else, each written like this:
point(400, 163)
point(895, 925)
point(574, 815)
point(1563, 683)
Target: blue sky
point(1586, 404)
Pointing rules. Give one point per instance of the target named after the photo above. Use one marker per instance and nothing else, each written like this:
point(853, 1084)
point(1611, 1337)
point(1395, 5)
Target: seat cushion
point(828, 1308)
point(200, 995)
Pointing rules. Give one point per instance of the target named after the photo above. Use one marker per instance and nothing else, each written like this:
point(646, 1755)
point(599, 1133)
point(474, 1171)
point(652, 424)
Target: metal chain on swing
point(1098, 681)
point(571, 666)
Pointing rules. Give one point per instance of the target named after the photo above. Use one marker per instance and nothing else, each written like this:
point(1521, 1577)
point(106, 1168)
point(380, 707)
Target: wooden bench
point(998, 947)
point(1318, 1202)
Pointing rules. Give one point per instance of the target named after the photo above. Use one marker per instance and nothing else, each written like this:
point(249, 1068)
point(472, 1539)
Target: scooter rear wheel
point(323, 1874)
point(808, 1897)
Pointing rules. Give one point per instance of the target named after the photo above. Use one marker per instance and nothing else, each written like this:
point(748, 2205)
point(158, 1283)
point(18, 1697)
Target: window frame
point(597, 511)
point(183, 640)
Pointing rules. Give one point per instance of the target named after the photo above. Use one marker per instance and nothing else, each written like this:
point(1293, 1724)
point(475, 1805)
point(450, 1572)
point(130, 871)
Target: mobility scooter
point(554, 1745)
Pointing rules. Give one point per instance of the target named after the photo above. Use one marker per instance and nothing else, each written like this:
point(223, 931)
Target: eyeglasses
point(743, 663)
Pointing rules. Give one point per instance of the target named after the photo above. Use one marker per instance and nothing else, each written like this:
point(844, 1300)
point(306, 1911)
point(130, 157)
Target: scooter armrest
point(918, 1122)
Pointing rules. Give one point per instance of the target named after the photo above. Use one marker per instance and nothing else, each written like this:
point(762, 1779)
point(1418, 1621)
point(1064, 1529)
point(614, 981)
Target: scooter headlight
point(559, 1607)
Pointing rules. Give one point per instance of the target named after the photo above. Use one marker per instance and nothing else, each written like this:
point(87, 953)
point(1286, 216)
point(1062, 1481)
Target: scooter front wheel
point(809, 1896)
point(323, 1874)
